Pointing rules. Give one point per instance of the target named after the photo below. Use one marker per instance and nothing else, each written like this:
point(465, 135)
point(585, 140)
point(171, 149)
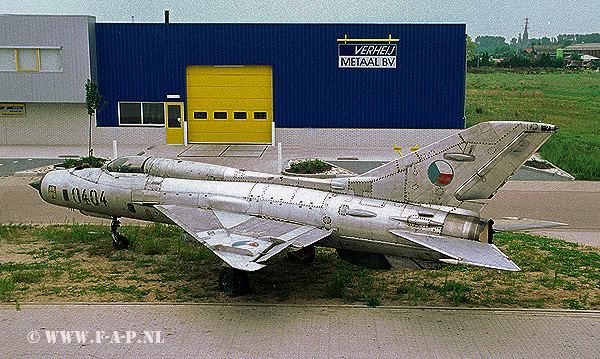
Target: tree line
point(483, 51)
point(497, 46)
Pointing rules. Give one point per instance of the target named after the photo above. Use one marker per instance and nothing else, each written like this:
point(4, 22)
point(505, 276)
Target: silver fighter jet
point(418, 211)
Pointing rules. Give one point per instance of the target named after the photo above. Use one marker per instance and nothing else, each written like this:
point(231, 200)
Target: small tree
point(471, 47)
point(575, 56)
point(93, 103)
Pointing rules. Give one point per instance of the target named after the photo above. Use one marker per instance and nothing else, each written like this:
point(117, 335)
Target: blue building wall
point(146, 62)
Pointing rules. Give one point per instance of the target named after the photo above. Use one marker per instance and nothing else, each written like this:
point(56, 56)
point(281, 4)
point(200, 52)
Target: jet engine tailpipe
point(468, 227)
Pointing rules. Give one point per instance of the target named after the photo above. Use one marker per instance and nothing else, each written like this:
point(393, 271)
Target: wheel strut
point(119, 241)
point(234, 281)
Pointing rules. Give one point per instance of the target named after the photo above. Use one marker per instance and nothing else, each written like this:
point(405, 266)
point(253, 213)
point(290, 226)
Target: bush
point(516, 61)
point(309, 166)
point(85, 162)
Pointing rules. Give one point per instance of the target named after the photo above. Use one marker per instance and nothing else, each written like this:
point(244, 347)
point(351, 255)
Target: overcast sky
point(505, 18)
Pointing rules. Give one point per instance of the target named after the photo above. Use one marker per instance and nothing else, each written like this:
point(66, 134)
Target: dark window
point(174, 116)
point(239, 116)
point(66, 195)
point(130, 113)
point(202, 115)
point(220, 115)
point(154, 113)
point(260, 115)
point(147, 113)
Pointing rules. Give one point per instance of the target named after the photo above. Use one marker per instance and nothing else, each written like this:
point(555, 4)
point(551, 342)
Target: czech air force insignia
point(440, 173)
point(52, 191)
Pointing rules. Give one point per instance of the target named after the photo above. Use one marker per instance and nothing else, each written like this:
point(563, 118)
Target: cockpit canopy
point(128, 164)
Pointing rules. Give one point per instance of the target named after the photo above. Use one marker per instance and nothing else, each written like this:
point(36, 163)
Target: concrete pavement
point(283, 331)
point(575, 203)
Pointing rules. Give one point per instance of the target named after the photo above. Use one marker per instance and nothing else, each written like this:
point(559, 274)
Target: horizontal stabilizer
point(513, 224)
point(461, 251)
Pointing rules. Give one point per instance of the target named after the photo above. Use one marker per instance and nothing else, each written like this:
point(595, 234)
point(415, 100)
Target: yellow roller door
point(229, 104)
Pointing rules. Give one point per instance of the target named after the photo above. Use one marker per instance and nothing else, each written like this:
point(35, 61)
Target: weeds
point(580, 303)
point(338, 284)
point(457, 292)
point(77, 262)
point(373, 302)
point(9, 231)
point(7, 286)
point(577, 154)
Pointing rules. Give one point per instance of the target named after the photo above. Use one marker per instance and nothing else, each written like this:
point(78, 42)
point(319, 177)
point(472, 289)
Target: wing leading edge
point(242, 241)
point(461, 251)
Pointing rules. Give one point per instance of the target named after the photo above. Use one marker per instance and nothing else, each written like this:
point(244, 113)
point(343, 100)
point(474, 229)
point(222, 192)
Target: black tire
point(304, 255)
point(120, 241)
point(234, 281)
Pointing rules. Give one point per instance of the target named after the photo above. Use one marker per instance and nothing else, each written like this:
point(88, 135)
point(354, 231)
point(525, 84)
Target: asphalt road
point(575, 203)
point(22, 204)
point(8, 166)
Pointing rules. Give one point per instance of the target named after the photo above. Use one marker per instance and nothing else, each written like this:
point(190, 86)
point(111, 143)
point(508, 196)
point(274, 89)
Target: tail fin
point(472, 164)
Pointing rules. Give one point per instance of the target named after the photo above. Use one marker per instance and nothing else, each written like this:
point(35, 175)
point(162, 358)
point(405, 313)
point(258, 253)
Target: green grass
point(568, 99)
point(159, 267)
point(577, 154)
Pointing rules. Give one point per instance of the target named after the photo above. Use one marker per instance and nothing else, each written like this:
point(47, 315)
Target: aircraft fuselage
point(359, 224)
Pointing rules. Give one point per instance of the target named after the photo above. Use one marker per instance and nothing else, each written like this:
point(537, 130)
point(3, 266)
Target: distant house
point(546, 49)
point(592, 49)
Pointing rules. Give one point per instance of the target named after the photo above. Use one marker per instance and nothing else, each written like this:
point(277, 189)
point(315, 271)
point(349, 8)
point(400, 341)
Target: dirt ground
point(50, 268)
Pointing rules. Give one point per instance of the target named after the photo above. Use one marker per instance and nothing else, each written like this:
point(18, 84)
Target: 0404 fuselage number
point(90, 197)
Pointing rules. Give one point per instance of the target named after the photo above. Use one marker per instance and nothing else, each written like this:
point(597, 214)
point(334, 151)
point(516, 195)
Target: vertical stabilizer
point(472, 164)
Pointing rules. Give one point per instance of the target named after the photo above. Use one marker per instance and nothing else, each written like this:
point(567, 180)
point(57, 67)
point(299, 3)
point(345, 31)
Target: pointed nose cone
point(37, 184)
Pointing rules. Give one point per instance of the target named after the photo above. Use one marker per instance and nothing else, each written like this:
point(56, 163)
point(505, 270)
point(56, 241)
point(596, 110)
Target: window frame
point(217, 115)
point(258, 115)
point(202, 115)
point(41, 58)
point(142, 124)
point(38, 60)
point(240, 115)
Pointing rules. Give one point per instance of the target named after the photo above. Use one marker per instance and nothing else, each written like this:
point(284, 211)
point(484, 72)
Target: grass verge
point(77, 263)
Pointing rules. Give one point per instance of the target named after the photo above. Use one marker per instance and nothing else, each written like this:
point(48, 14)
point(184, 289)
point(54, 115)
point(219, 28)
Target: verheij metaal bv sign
point(367, 53)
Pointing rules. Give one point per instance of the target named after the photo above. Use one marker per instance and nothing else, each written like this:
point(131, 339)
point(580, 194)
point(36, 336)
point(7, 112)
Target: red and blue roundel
point(245, 243)
point(440, 173)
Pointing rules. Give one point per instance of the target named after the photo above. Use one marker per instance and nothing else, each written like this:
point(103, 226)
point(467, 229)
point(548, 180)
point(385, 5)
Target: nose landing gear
point(119, 241)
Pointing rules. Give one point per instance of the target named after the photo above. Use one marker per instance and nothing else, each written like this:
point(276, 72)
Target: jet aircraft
point(420, 211)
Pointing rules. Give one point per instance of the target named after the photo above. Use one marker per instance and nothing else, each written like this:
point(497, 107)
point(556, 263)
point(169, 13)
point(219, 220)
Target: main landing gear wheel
point(304, 255)
point(234, 281)
point(119, 241)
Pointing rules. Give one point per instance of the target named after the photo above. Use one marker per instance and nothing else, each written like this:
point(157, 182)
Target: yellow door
point(174, 123)
point(229, 104)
